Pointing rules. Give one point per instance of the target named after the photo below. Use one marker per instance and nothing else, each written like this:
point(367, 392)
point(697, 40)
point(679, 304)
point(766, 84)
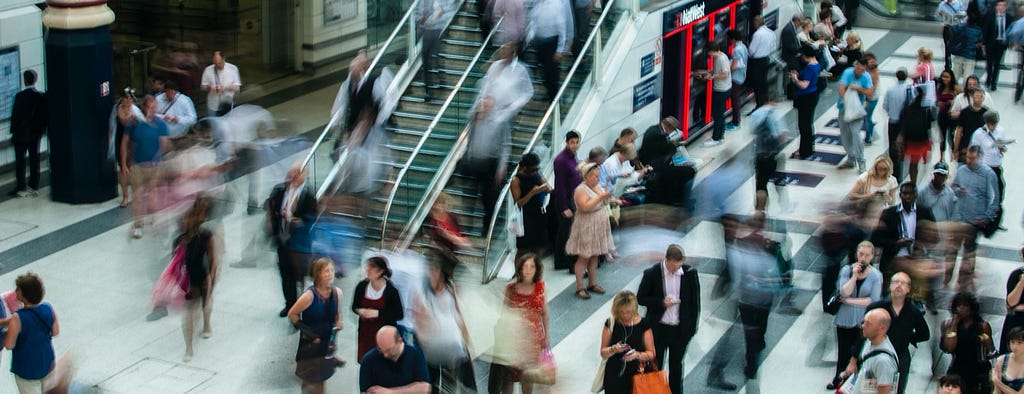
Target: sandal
point(596, 289)
point(582, 293)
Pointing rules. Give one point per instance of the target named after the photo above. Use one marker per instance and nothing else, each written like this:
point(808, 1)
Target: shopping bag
point(544, 371)
point(929, 98)
point(651, 381)
point(515, 223)
point(169, 290)
point(853, 108)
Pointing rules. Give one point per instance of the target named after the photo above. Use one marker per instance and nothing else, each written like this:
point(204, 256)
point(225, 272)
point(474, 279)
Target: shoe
point(157, 314)
point(1001, 228)
point(1004, 67)
point(845, 165)
point(32, 192)
point(596, 289)
point(867, 142)
point(207, 334)
point(187, 358)
point(24, 194)
point(137, 232)
point(582, 293)
point(731, 127)
point(750, 373)
point(712, 142)
point(861, 168)
point(824, 74)
point(837, 382)
point(721, 384)
point(283, 312)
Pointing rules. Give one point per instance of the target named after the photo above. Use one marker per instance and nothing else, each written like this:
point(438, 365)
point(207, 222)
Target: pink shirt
point(672, 283)
point(925, 72)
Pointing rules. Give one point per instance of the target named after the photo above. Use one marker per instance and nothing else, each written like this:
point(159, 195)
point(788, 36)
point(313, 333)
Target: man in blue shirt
point(393, 365)
point(849, 130)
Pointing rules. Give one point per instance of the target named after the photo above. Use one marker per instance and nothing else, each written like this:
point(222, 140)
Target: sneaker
point(32, 192)
point(713, 142)
point(824, 74)
point(24, 194)
point(731, 127)
point(137, 232)
point(844, 165)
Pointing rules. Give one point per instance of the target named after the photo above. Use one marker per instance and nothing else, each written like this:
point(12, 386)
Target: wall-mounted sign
point(645, 92)
point(646, 64)
point(338, 10)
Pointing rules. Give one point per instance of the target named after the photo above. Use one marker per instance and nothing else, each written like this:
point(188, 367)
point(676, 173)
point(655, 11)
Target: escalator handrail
point(504, 194)
point(373, 65)
point(426, 135)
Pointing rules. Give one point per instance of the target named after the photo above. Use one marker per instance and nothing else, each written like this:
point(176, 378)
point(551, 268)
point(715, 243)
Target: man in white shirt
point(551, 23)
point(762, 44)
point(992, 139)
point(176, 109)
point(221, 81)
point(670, 290)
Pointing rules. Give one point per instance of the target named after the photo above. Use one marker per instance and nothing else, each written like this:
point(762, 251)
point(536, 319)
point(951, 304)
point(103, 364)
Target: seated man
point(393, 365)
point(672, 173)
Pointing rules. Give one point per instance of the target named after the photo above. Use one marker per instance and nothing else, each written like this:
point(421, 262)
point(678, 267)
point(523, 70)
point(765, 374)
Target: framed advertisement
point(10, 79)
point(339, 10)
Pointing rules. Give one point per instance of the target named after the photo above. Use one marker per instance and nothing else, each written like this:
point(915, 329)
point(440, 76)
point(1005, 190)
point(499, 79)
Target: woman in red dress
point(377, 303)
point(525, 297)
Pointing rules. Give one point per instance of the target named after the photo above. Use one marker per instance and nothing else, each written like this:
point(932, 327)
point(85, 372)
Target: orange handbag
point(652, 381)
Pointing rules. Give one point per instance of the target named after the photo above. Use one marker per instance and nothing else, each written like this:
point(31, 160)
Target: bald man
point(907, 326)
point(876, 367)
point(393, 366)
point(291, 210)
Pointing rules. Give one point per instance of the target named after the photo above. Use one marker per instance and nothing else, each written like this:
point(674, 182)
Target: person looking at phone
point(860, 284)
point(670, 290)
point(626, 341)
point(975, 186)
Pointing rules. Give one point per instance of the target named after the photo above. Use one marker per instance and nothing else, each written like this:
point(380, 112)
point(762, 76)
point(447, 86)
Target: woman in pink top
point(924, 71)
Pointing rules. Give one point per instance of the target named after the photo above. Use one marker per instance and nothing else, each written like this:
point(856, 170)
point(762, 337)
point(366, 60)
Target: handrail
point(430, 130)
point(373, 64)
point(503, 195)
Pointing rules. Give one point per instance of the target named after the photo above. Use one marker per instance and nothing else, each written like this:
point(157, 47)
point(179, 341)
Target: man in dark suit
point(28, 124)
point(898, 228)
point(291, 209)
point(993, 29)
point(673, 309)
point(790, 43)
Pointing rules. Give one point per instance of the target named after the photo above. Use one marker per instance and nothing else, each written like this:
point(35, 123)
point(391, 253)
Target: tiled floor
point(99, 281)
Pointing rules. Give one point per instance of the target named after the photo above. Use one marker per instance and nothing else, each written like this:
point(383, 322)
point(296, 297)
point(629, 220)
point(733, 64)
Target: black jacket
point(790, 46)
point(888, 232)
point(656, 149)
point(393, 310)
point(305, 211)
point(28, 117)
point(989, 30)
point(651, 294)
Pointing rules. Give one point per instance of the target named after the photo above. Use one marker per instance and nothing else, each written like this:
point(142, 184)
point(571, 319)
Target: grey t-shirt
point(879, 370)
point(722, 65)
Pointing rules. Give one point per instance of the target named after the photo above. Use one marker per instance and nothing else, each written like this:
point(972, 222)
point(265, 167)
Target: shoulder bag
point(651, 381)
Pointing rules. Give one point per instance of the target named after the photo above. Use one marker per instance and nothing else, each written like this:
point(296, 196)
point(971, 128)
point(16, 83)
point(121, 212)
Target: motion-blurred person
point(849, 130)
point(201, 259)
point(567, 177)
point(445, 232)
point(508, 83)
point(489, 143)
point(951, 13)
point(122, 116)
point(393, 366)
point(28, 125)
point(524, 297)
point(946, 89)
point(770, 135)
point(529, 189)
point(431, 18)
point(29, 337)
point(291, 208)
point(591, 233)
point(513, 29)
point(146, 139)
point(552, 25)
point(938, 198)
point(581, 12)
point(897, 229)
point(441, 333)
point(377, 302)
point(875, 369)
point(969, 120)
point(968, 338)
point(915, 133)
point(1014, 307)
point(366, 171)
point(976, 188)
point(860, 284)
point(877, 183)
point(965, 44)
point(1011, 363)
point(908, 326)
point(317, 316)
point(237, 138)
point(176, 109)
point(626, 342)
point(871, 63)
point(807, 94)
point(361, 91)
point(670, 291)
point(222, 82)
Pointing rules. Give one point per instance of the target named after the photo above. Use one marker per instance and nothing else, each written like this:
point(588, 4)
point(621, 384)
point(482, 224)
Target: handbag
point(832, 306)
point(930, 97)
point(598, 383)
point(544, 372)
point(853, 108)
point(651, 381)
point(169, 290)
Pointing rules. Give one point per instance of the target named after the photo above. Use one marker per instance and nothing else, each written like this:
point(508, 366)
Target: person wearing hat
point(896, 98)
point(938, 198)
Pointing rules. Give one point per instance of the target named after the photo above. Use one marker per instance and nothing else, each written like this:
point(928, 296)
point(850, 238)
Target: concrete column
point(79, 70)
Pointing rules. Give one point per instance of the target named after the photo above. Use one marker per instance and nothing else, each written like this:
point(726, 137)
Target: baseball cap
point(940, 168)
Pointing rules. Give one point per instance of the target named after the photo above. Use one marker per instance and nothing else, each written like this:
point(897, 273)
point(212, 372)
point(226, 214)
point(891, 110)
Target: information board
point(10, 80)
point(645, 93)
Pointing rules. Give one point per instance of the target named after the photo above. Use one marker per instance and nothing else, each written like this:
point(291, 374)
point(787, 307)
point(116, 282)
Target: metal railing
point(553, 115)
point(426, 135)
point(406, 20)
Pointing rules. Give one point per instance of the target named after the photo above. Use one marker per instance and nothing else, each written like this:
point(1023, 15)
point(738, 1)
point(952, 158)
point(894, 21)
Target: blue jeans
point(869, 124)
